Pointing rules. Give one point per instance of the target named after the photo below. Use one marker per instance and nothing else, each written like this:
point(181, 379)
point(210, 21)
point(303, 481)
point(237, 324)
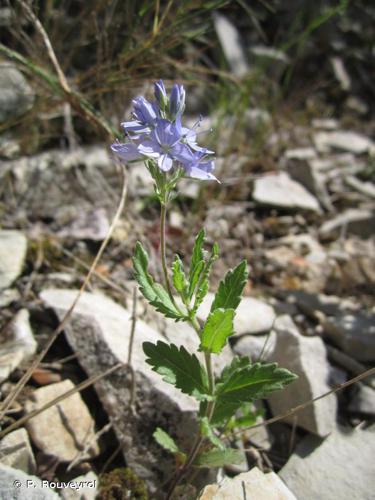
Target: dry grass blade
point(300, 407)
point(13, 395)
point(78, 388)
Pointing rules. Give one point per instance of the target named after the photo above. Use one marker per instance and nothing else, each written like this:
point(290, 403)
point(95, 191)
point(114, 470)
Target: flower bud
point(177, 101)
point(161, 94)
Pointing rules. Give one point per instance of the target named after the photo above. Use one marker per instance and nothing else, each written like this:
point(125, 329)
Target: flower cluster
point(156, 133)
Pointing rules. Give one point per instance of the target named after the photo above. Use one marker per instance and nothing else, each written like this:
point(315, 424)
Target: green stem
point(179, 475)
point(163, 212)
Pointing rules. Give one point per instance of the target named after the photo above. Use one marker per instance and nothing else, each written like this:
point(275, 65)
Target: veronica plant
point(170, 151)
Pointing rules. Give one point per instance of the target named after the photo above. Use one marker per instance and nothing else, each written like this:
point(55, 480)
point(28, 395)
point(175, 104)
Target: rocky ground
point(302, 213)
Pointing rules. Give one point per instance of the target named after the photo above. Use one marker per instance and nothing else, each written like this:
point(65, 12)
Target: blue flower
point(196, 164)
point(145, 114)
point(163, 145)
point(128, 152)
point(161, 95)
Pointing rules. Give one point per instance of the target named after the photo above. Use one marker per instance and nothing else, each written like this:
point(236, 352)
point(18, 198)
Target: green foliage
point(208, 431)
point(219, 457)
point(153, 292)
point(178, 367)
point(247, 417)
point(216, 330)
point(230, 289)
point(197, 262)
point(168, 443)
point(247, 383)
point(179, 278)
point(202, 287)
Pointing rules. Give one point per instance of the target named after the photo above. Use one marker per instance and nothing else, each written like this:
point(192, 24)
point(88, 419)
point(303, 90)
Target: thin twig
point(51, 53)
point(81, 455)
point(300, 407)
point(83, 385)
point(14, 394)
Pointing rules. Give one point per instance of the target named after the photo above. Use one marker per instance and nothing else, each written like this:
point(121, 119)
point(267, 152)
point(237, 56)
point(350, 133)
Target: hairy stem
point(163, 212)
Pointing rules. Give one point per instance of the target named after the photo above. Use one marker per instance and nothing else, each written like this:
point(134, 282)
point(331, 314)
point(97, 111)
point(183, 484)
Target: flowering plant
point(170, 151)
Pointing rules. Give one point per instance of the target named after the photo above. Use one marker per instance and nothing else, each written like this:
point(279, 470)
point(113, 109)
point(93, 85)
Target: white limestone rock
point(251, 485)
point(281, 191)
point(306, 357)
point(340, 467)
point(13, 246)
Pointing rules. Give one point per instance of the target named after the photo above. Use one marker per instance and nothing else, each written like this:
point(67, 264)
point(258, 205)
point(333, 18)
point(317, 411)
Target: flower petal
point(197, 173)
point(165, 163)
point(127, 152)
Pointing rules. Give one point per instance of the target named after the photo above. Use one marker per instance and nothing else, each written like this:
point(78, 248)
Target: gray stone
point(13, 246)
point(64, 429)
point(16, 452)
point(254, 345)
point(363, 400)
point(98, 331)
point(17, 344)
point(16, 95)
point(252, 315)
point(281, 191)
point(342, 140)
point(306, 357)
point(325, 123)
point(230, 42)
point(92, 225)
point(249, 485)
point(366, 188)
point(354, 333)
point(272, 61)
point(355, 221)
point(340, 467)
point(16, 485)
point(8, 296)
point(300, 154)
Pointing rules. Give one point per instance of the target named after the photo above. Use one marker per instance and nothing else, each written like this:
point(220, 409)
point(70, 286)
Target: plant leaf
point(179, 279)
point(153, 292)
point(216, 330)
point(208, 431)
point(245, 384)
point(178, 367)
point(218, 458)
point(197, 255)
point(231, 287)
point(202, 287)
point(165, 440)
point(195, 278)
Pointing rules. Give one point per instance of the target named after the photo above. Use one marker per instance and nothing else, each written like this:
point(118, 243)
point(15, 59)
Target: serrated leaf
point(231, 287)
point(178, 367)
point(219, 458)
point(246, 384)
point(179, 279)
point(202, 287)
point(195, 277)
point(236, 363)
point(165, 440)
point(197, 255)
point(217, 328)
point(208, 431)
point(153, 292)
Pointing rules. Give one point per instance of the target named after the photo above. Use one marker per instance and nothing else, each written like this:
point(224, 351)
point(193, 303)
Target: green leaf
point(179, 279)
point(195, 277)
point(197, 255)
point(245, 384)
point(208, 431)
point(219, 458)
point(216, 330)
point(153, 292)
point(165, 440)
point(178, 367)
point(230, 289)
point(202, 287)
